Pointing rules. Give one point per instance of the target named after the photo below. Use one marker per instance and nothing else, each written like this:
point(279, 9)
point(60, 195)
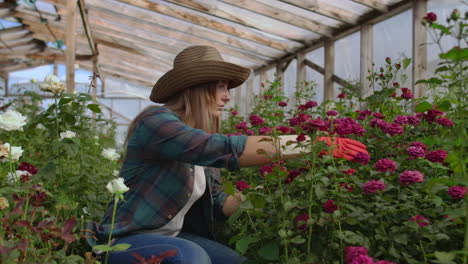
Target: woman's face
point(222, 96)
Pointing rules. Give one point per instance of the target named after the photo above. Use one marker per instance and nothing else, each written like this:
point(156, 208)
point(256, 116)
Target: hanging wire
point(45, 22)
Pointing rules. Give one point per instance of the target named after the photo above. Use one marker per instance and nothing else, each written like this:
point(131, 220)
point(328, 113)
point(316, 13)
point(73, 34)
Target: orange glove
point(343, 147)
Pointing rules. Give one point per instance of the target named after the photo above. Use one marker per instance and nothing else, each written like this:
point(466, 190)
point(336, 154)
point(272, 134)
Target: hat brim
point(178, 79)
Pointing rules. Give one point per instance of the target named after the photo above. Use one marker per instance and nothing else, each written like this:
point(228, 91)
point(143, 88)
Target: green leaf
point(406, 62)
point(258, 200)
point(270, 251)
point(401, 238)
point(120, 247)
point(298, 240)
point(65, 100)
point(229, 187)
point(455, 54)
point(444, 29)
point(442, 69)
point(105, 248)
point(423, 107)
point(445, 257)
point(243, 244)
point(444, 106)
point(320, 191)
point(433, 80)
point(95, 108)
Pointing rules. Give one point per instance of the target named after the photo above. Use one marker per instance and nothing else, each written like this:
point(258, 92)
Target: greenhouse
point(233, 131)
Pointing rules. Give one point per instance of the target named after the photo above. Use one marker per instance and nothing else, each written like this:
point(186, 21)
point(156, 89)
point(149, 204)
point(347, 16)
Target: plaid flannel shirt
point(158, 169)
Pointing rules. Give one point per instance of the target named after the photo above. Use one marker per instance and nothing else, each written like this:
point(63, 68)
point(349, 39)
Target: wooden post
point(367, 58)
point(55, 68)
point(280, 73)
point(6, 84)
point(70, 42)
point(249, 95)
point(419, 47)
point(300, 75)
point(238, 96)
point(263, 81)
point(329, 84)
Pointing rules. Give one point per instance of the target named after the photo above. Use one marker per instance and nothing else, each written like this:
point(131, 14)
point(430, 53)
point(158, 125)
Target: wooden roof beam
point(24, 48)
point(13, 33)
point(283, 15)
point(374, 4)
point(208, 22)
point(47, 57)
point(167, 26)
point(371, 18)
point(119, 75)
point(322, 8)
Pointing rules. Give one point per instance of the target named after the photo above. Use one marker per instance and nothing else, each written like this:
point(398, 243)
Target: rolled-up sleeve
point(164, 136)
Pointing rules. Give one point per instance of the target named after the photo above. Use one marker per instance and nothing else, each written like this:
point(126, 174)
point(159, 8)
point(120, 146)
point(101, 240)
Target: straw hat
point(195, 65)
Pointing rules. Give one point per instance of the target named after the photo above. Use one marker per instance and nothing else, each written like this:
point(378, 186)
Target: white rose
point(15, 177)
point(115, 173)
point(67, 134)
point(16, 153)
point(110, 154)
point(52, 84)
point(12, 120)
point(117, 186)
point(51, 78)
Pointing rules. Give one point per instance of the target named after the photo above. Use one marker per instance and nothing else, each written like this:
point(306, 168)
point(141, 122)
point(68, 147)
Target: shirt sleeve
point(219, 196)
point(164, 136)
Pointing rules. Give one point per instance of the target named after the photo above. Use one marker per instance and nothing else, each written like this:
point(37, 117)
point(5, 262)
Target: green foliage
point(71, 172)
point(288, 214)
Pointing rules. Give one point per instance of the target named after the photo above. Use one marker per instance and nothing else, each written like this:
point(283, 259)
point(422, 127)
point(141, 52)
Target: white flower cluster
point(16, 152)
point(117, 186)
point(110, 154)
point(12, 120)
point(15, 177)
point(52, 84)
point(67, 134)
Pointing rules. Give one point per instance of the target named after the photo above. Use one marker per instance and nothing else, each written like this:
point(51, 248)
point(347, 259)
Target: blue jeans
point(190, 249)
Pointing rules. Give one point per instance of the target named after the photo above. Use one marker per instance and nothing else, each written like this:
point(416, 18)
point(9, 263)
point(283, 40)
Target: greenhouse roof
point(137, 40)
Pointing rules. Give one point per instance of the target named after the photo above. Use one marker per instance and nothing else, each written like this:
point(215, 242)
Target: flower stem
point(423, 251)
point(116, 201)
point(465, 251)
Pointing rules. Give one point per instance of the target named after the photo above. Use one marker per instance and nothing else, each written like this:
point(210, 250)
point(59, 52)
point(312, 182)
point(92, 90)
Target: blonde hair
point(195, 106)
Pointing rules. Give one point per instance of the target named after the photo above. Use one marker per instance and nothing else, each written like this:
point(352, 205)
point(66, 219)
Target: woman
point(173, 152)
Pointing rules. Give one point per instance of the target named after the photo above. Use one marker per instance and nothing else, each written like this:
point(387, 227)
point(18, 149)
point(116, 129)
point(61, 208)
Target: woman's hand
point(344, 147)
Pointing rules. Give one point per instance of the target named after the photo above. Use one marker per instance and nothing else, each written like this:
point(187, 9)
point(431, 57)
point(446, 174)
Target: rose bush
point(403, 203)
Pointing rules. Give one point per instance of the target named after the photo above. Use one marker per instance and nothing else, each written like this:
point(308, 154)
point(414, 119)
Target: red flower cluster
point(255, 120)
point(330, 206)
point(359, 255)
point(420, 220)
point(241, 185)
point(436, 156)
point(385, 165)
point(457, 192)
point(406, 93)
point(373, 186)
point(408, 177)
point(361, 157)
point(430, 17)
point(301, 221)
point(24, 166)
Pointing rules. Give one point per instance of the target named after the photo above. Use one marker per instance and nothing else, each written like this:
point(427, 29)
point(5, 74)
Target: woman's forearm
point(263, 149)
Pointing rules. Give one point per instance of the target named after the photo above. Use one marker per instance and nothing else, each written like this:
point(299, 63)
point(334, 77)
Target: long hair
point(195, 106)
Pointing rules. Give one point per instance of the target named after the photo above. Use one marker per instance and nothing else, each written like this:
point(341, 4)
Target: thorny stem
point(116, 201)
